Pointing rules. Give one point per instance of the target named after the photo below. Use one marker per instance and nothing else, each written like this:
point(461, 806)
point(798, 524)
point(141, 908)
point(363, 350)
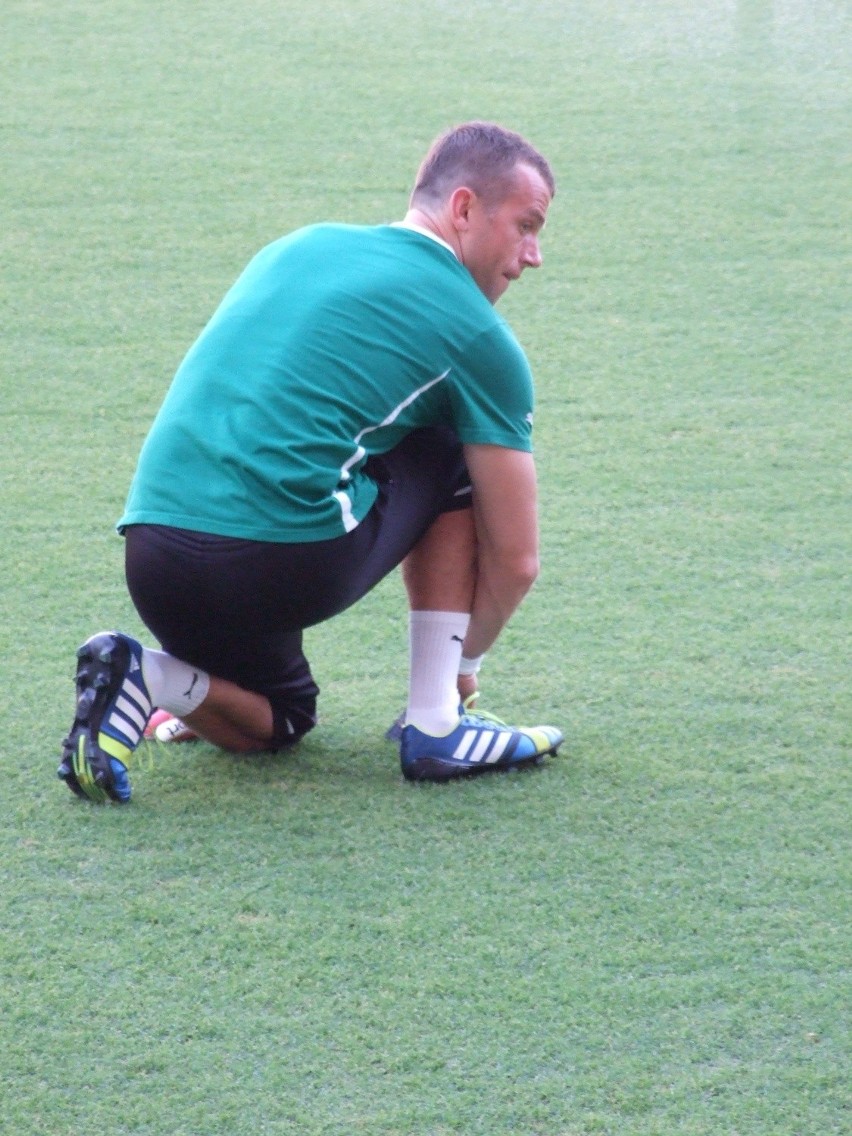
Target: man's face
point(501, 240)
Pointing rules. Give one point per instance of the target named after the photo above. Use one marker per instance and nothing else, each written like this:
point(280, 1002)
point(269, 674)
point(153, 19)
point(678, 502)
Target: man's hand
point(468, 687)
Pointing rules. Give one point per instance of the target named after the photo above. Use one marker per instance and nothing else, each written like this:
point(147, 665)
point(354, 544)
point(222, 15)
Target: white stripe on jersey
point(342, 498)
point(346, 514)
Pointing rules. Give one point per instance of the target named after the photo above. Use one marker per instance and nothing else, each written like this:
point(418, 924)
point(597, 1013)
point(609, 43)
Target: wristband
point(470, 666)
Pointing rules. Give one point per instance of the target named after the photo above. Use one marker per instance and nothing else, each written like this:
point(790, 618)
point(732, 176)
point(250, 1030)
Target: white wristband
point(470, 666)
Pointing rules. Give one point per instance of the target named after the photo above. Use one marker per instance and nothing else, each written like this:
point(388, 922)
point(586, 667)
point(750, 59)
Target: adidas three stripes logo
point(129, 715)
point(486, 746)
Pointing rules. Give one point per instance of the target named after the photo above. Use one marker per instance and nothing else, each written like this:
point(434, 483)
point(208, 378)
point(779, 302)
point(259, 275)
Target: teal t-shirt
point(334, 343)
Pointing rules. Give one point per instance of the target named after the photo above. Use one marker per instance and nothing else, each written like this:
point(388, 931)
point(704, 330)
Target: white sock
point(435, 646)
point(173, 685)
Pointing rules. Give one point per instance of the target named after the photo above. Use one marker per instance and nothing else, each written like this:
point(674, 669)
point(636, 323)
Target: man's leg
point(421, 521)
point(258, 692)
point(271, 707)
point(440, 579)
point(237, 683)
point(119, 682)
point(236, 719)
point(217, 709)
point(440, 571)
point(438, 740)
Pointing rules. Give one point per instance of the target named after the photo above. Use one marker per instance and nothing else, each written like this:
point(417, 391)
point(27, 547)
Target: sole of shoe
point(97, 683)
point(441, 769)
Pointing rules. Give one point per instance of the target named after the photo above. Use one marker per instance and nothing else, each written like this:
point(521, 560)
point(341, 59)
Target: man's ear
point(461, 200)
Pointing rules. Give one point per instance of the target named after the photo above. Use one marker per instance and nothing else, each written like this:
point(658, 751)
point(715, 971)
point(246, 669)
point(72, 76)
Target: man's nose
point(532, 253)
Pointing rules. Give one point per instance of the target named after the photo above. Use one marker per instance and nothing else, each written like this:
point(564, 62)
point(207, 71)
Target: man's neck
point(429, 226)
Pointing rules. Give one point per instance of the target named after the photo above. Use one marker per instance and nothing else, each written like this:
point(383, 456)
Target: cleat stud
point(84, 702)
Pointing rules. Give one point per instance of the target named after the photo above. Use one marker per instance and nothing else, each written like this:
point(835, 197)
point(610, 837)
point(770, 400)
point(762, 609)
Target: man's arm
point(506, 514)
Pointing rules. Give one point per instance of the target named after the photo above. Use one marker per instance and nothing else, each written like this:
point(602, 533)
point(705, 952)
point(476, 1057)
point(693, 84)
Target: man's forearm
point(504, 504)
point(498, 595)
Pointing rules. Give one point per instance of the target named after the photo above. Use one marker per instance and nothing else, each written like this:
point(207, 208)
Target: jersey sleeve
point(491, 393)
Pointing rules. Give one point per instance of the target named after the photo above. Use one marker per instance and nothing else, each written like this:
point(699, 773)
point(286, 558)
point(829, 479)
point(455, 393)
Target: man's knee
point(291, 720)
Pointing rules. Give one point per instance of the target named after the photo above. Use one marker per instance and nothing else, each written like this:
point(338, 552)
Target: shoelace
point(142, 758)
point(469, 712)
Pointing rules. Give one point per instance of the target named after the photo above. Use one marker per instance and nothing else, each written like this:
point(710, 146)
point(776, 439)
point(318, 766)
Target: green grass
point(650, 935)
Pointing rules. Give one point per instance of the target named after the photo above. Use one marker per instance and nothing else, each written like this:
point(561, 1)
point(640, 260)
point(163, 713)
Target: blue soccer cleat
point(480, 743)
point(113, 707)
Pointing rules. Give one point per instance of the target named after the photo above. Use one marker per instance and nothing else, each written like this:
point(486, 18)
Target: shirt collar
point(423, 232)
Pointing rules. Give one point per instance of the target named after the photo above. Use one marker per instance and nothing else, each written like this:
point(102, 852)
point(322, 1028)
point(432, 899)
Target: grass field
point(649, 936)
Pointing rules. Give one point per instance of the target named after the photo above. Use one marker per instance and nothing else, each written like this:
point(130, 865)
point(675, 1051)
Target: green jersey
point(335, 343)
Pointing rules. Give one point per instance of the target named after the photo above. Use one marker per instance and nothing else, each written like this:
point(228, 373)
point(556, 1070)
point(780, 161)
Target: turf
point(649, 935)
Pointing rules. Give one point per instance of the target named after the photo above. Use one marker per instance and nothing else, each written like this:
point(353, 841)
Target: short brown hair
point(480, 155)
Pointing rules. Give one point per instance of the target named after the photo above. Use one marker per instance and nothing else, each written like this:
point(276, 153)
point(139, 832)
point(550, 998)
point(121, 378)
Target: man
point(353, 404)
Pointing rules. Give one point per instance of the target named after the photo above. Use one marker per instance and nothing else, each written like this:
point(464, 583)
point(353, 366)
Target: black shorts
point(237, 608)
